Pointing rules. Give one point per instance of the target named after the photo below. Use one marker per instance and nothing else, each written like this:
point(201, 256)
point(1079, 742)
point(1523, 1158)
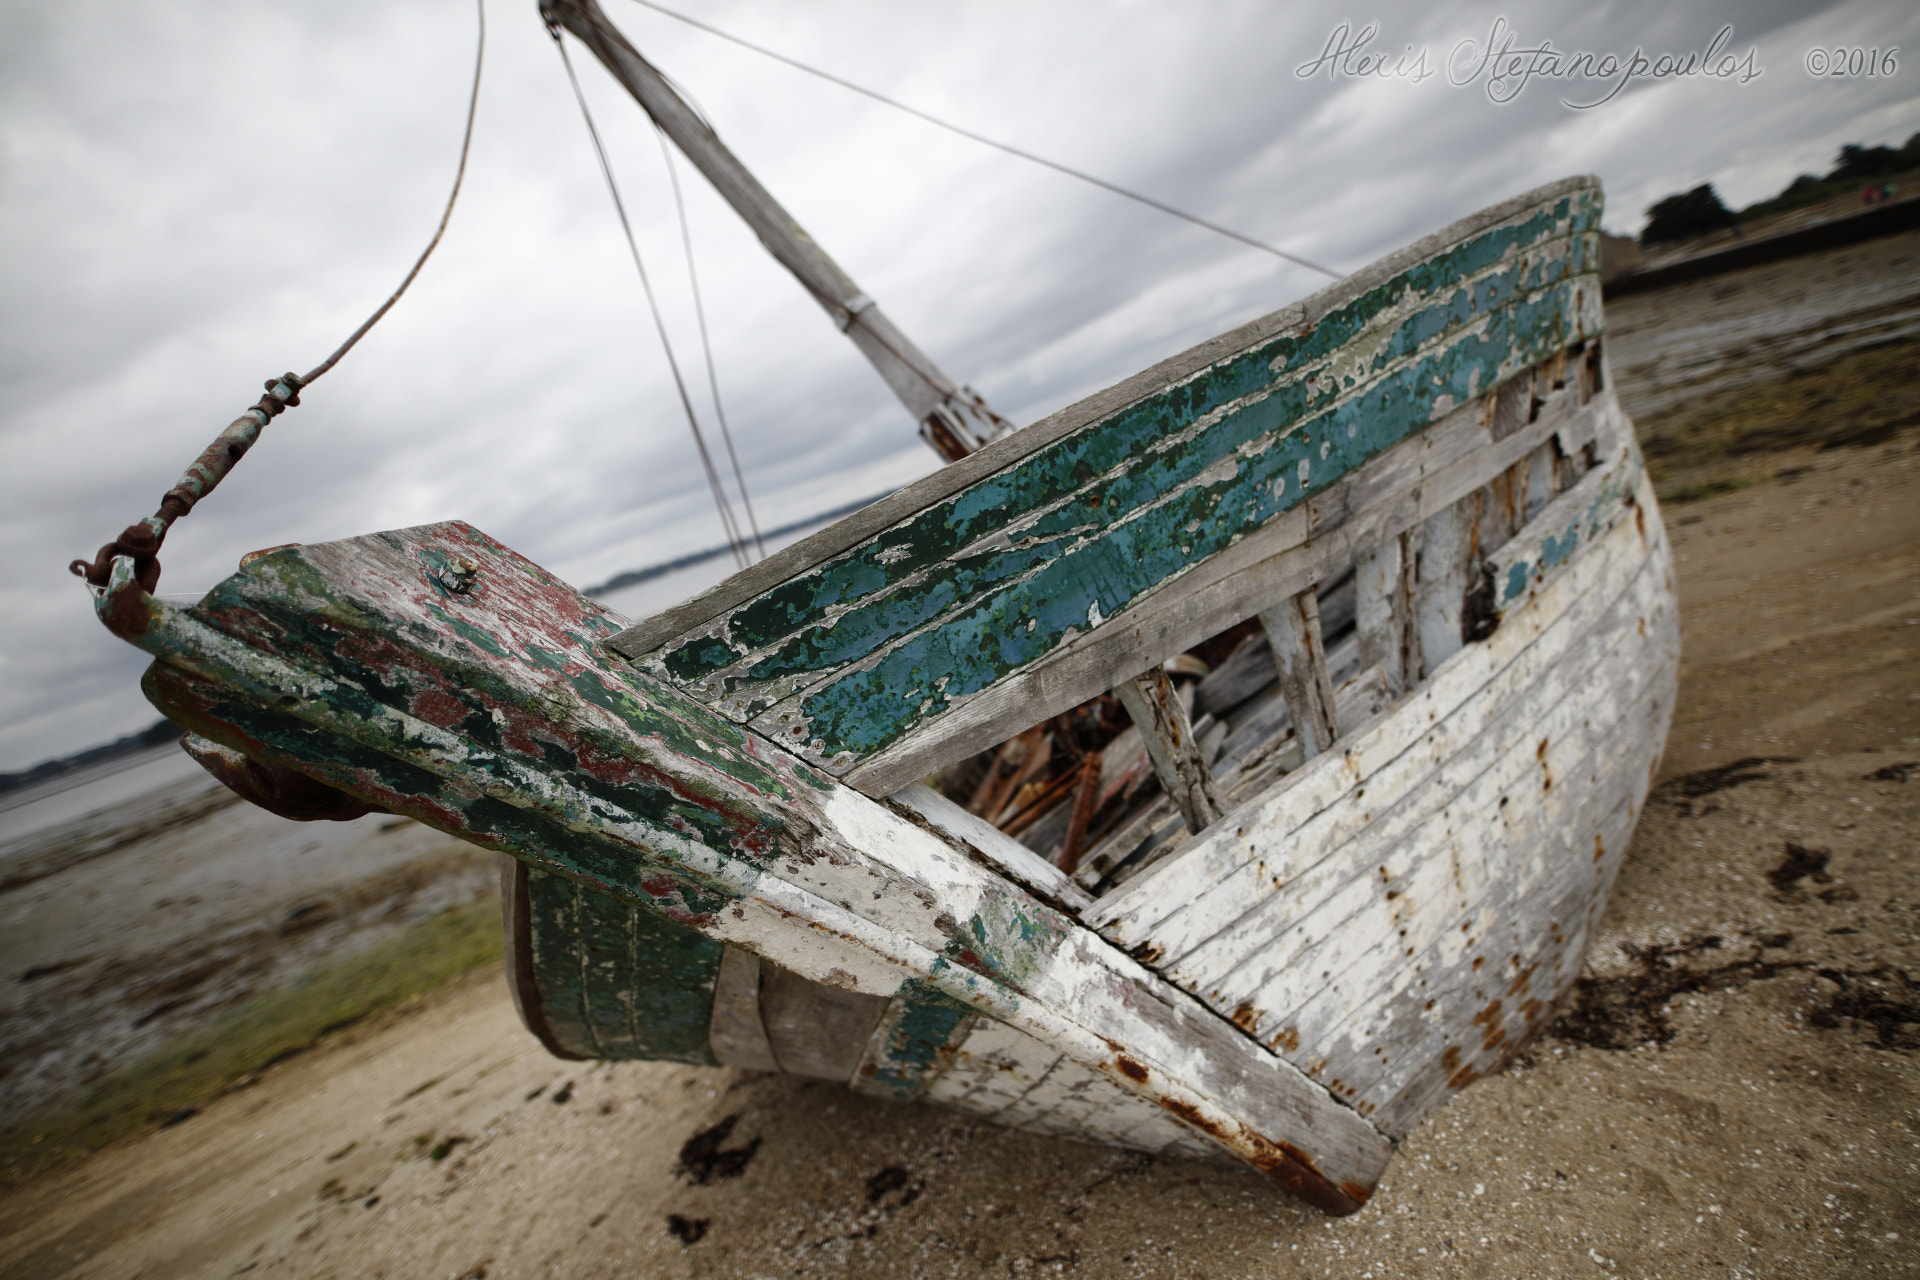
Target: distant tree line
point(152, 736)
point(1698, 212)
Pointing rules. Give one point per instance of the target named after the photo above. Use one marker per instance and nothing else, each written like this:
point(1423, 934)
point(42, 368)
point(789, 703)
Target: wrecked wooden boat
point(1233, 764)
point(1324, 885)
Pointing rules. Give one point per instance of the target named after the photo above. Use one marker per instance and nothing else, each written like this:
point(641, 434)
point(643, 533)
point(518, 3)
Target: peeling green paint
point(853, 655)
point(915, 1040)
point(616, 981)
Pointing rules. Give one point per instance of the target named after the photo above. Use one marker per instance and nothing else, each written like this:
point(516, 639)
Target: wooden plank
point(1389, 494)
point(496, 715)
point(1161, 717)
point(1359, 699)
point(1597, 737)
point(1249, 668)
point(1442, 576)
point(1297, 824)
point(1227, 443)
point(835, 541)
point(736, 1033)
point(522, 975)
point(1383, 608)
point(1581, 515)
point(913, 1043)
point(816, 1030)
point(1271, 941)
point(1364, 940)
point(1300, 661)
point(999, 850)
point(1129, 918)
point(869, 672)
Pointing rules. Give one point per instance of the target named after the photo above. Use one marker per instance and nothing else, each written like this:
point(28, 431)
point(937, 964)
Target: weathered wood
point(914, 1043)
point(1005, 1076)
point(888, 638)
point(1085, 796)
point(1583, 513)
point(1300, 660)
point(1390, 493)
point(816, 1030)
point(1542, 468)
point(1444, 568)
point(1453, 708)
point(1359, 970)
point(517, 934)
point(1249, 668)
point(1365, 940)
point(1383, 608)
point(1359, 699)
point(1161, 717)
point(810, 554)
point(602, 979)
point(495, 714)
point(1001, 851)
point(736, 1033)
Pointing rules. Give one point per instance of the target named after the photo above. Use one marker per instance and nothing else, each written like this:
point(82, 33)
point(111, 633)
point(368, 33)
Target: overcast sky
point(196, 195)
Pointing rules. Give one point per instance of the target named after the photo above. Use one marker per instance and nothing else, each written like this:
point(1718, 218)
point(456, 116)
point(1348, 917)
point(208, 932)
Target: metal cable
point(706, 344)
point(969, 134)
point(734, 540)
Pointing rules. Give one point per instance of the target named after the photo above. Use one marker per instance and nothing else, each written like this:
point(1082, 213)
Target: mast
point(954, 420)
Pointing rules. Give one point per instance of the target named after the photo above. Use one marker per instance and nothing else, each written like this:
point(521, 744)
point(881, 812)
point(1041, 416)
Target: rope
point(143, 539)
point(734, 540)
point(997, 145)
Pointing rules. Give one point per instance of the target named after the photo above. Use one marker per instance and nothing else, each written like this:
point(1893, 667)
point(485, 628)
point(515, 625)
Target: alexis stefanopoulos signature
point(1506, 66)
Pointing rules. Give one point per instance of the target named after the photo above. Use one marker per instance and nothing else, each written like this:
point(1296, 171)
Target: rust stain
point(1450, 1058)
point(1131, 1070)
point(1488, 1019)
point(1521, 979)
point(1540, 752)
point(1478, 961)
point(1245, 1015)
point(1599, 848)
point(1286, 1164)
point(1287, 1041)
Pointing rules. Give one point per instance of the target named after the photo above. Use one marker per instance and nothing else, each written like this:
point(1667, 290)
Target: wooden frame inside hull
point(1294, 986)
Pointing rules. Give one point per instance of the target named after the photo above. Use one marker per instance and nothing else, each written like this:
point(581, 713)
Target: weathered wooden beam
point(954, 421)
point(1300, 660)
point(1161, 717)
point(737, 1033)
point(1444, 565)
point(1383, 609)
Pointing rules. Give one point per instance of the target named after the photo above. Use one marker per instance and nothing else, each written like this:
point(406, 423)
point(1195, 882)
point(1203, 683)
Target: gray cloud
point(195, 196)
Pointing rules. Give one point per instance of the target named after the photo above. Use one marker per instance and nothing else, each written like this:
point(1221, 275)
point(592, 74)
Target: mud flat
point(1732, 1090)
point(147, 900)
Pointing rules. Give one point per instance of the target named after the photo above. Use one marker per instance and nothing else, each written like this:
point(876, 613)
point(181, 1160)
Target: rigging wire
point(734, 541)
point(706, 344)
point(459, 175)
point(969, 134)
